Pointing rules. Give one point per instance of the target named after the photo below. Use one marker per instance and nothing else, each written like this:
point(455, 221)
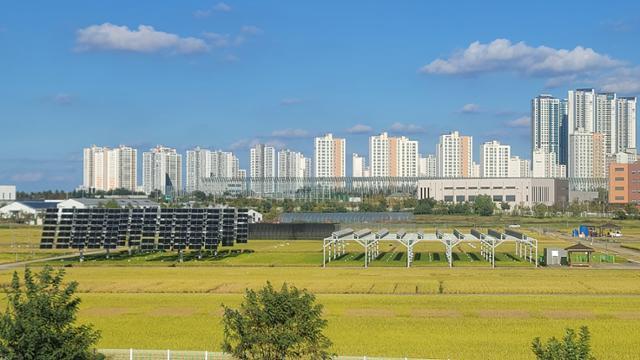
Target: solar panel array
point(144, 228)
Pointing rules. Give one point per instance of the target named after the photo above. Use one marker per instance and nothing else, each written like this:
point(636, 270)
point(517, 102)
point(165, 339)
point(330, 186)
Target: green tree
point(271, 324)
point(424, 206)
point(483, 205)
point(39, 322)
point(570, 348)
point(540, 210)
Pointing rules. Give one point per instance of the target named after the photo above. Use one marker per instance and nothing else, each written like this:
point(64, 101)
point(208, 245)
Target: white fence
point(134, 354)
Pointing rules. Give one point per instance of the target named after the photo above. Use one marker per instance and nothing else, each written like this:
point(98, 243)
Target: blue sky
point(227, 74)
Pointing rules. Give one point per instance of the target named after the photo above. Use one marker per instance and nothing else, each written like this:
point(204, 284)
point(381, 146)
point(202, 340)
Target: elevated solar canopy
point(354, 217)
point(144, 228)
point(334, 246)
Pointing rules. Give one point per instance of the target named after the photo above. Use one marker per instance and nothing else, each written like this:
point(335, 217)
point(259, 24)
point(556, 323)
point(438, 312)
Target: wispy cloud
point(470, 109)
point(523, 121)
point(144, 39)
point(406, 128)
point(290, 101)
point(619, 25)
point(290, 133)
point(219, 7)
point(360, 129)
point(245, 144)
point(62, 99)
point(503, 55)
point(218, 40)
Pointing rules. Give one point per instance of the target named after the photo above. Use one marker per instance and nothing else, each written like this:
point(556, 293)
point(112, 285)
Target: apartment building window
point(619, 179)
point(510, 198)
point(460, 198)
point(619, 197)
point(497, 197)
point(448, 198)
point(619, 188)
point(619, 169)
point(472, 198)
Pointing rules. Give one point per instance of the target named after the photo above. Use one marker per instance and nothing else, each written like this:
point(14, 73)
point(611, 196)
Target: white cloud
point(222, 7)
point(523, 121)
point(290, 133)
point(218, 40)
point(251, 30)
point(62, 99)
point(360, 129)
point(470, 109)
point(219, 7)
point(290, 101)
point(503, 55)
point(624, 80)
point(144, 39)
point(406, 128)
point(245, 144)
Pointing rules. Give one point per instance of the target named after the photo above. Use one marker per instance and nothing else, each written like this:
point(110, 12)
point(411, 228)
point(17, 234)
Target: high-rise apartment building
point(581, 110)
point(455, 155)
point(519, 167)
point(588, 154)
point(393, 156)
point(544, 165)
point(494, 159)
point(428, 166)
point(106, 169)
point(204, 163)
point(162, 170)
point(626, 115)
point(329, 156)
point(292, 164)
point(359, 166)
point(262, 167)
point(546, 119)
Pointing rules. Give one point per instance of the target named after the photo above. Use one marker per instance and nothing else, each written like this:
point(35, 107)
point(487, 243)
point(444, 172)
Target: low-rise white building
point(254, 216)
point(514, 191)
point(90, 203)
point(7, 193)
point(33, 208)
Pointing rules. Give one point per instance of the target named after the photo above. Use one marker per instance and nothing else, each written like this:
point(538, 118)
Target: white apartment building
point(519, 168)
point(162, 170)
point(393, 156)
point(106, 169)
point(428, 166)
point(454, 155)
point(204, 163)
point(626, 117)
point(494, 159)
point(581, 110)
point(292, 164)
point(358, 166)
point(546, 119)
point(262, 167)
point(329, 156)
point(545, 165)
point(588, 154)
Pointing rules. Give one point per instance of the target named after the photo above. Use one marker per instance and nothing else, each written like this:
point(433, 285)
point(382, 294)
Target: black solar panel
point(148, 229)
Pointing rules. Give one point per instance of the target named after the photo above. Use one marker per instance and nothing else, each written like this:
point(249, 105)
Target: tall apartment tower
point(198, 167)
point(262, 168)
point(519, 168)
point(162, 170)
point(494, 159)
point(107, 169)
point(546, 119)
point(393, 156)
point(588, 159)
point(581, 110)
point(626, 115)
point(329, 156)
point(427, 166)
point(292, 164)
point(359, 166)
point(454, 155)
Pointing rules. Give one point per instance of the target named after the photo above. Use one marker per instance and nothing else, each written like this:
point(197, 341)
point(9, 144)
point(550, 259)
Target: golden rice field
point(460, 313)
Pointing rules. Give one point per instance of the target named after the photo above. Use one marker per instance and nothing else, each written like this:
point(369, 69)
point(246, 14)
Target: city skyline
point(276, 74)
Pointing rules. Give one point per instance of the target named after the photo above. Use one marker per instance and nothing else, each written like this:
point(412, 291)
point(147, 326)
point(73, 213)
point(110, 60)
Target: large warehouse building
point(515, 191)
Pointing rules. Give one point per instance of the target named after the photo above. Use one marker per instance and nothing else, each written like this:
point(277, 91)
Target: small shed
point(609, 228)
point(579, 255)
point(555, 256)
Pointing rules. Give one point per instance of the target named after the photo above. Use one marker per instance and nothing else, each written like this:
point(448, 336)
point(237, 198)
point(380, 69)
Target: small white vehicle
point(615, 234)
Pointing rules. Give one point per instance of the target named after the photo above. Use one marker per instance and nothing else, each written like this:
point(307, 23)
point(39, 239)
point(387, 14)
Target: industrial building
point(514, 191)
